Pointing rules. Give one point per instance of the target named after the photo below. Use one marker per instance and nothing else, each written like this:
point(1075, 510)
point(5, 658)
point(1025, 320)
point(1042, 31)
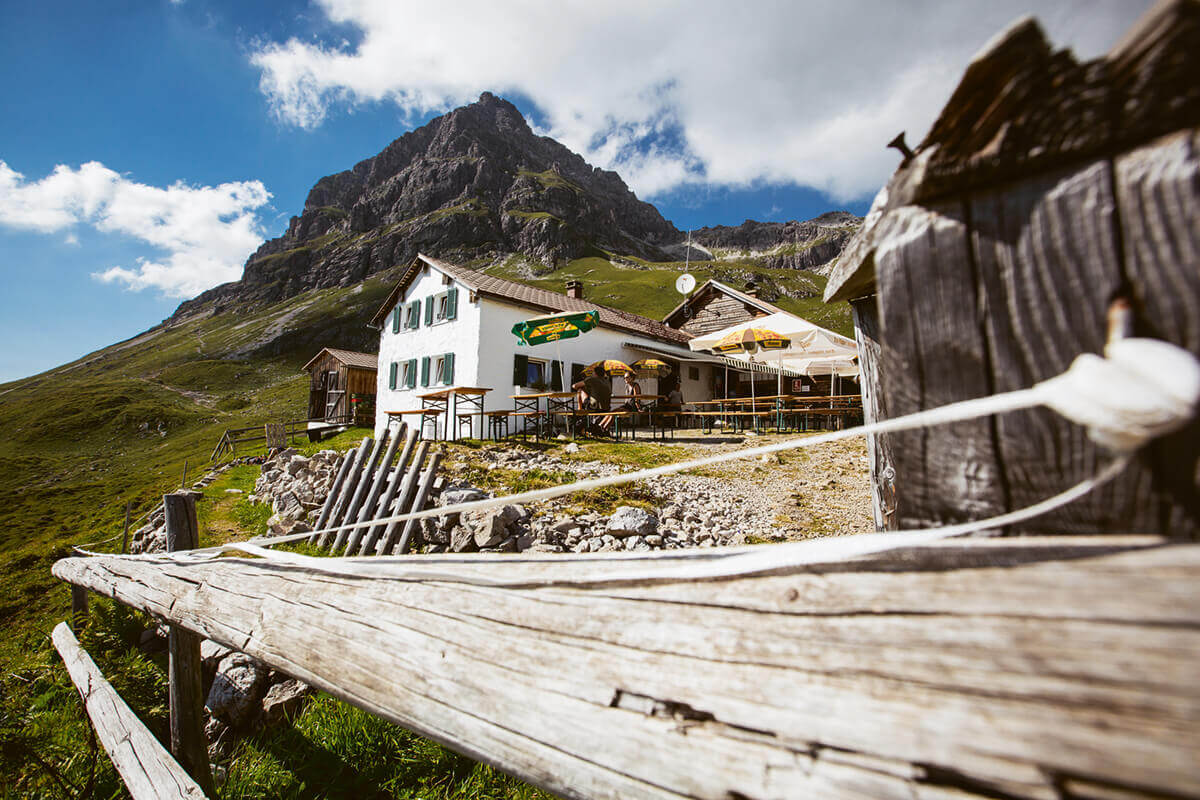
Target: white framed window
point(412, 315)
point(439, 369)
point(441, 303)
point(408, 375)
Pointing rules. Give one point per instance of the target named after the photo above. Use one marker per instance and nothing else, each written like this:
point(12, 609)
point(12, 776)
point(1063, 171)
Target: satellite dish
point(685, 283)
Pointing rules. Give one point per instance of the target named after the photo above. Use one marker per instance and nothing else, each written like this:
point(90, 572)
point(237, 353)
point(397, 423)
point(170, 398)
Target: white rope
point(722, 563)
point(1142, 389)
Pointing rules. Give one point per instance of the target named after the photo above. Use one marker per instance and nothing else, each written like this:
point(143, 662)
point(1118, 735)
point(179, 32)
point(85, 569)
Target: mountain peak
point(473, 184)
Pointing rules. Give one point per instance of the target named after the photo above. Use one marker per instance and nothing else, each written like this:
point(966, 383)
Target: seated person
point(594, 391)
point(632, 404)
point(674, 400)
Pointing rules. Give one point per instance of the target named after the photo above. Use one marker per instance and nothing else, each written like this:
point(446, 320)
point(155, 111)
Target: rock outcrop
point(476, 185)
point(784, 245)
point(474, 181)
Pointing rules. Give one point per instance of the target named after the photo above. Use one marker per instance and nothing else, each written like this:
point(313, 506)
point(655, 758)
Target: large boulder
point(236, 690)
point(493, 527)
point(462, 540)
point(632, 521)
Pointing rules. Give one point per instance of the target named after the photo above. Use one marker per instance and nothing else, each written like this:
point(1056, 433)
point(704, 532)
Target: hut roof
point(532, 297)
point(348, 357)
point(711, 286)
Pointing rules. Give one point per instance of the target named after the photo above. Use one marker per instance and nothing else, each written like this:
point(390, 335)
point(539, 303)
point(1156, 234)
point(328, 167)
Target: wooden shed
point(342, 385)
point(1046, 189)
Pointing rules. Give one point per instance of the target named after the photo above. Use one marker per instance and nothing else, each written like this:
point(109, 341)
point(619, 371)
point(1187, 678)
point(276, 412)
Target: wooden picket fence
point(367, 487)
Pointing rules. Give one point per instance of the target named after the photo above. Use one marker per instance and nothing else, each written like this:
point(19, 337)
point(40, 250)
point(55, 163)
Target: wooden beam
point(967, 669)
point(184, 673)
point(146, 767)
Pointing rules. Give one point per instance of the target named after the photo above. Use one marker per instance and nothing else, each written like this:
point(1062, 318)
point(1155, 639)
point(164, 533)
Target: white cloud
point(203, 233)
point(673, 92)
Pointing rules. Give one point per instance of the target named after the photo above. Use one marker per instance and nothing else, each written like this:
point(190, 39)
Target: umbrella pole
point(752, 408)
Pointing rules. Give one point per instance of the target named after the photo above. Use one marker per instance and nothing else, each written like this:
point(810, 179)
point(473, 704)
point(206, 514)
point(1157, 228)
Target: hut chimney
point(575, 289)
point(751, 289)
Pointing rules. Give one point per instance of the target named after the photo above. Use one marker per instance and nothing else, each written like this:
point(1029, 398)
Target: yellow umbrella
point(652, 368)
point(611, 366)
point(751, 340)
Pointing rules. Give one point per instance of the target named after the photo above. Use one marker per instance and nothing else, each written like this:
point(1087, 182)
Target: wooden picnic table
point(446, 401)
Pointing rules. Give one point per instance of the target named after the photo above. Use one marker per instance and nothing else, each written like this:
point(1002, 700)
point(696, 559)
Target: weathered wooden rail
point(146, 767)
point(1042, 668)
point(268, 433)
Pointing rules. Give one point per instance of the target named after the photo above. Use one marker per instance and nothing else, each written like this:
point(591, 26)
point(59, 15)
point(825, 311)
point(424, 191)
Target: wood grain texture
point(879, 446)
point(981, 668)
point(933, 353)
point(1049, 266)
point(185, 683)
point(1158, 198)
point(146, 767)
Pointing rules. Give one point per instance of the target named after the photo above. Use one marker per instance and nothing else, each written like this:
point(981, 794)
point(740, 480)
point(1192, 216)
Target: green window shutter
point(414, 314)
point(392, 375)
point(452, 303)
point(425, 370)
point(556, 376)
point(576, 373)
point(448, 368)
point(396, 318)
point(429, 310)
point(412, 373)
point(520, 369)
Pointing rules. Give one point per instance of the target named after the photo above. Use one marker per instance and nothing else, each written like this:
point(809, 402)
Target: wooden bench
point(497, 422)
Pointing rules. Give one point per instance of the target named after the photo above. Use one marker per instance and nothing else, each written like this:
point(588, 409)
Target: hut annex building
point(445, 325)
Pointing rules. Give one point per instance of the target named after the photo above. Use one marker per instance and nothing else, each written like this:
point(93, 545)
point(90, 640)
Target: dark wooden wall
point(716, 311)
point(350, 380)
point(999, 288)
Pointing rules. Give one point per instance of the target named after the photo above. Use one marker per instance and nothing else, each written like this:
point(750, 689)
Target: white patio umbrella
point(813, 350)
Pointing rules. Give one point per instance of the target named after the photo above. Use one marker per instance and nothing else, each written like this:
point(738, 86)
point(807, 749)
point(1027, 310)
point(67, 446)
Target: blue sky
point(148, 147)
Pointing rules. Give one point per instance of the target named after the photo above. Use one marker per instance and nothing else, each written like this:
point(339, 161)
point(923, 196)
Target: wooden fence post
point(79, 608)
point(188, 743)
point(125, 535)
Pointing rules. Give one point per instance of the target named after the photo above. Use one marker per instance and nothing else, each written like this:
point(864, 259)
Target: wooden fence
point(232, 437)
point(1047, 668)
point(368, 487)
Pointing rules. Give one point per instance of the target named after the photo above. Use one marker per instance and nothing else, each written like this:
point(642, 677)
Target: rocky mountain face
point(475, 185)
point(790, 245)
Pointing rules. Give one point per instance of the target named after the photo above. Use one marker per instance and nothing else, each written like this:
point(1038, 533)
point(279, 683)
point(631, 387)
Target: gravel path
point(818, 491)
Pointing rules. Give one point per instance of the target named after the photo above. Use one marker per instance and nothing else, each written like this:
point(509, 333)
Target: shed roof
point(348, 357)
point(710, 286)
point(531, 296)
point(1023, 108)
